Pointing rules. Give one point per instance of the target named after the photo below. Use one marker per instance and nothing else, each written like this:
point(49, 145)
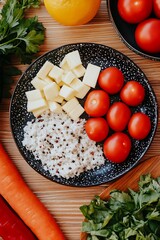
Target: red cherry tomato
point(97, 103)
point(156, 8)
point(97, 129)
point(118, 116)
point(117, 147)
point(134, 11)
point(139, 126)
point(132, 93)
point(111, 80)
point(147, 35)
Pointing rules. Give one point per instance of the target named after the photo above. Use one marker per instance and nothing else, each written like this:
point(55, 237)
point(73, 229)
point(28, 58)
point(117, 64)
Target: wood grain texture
point(130, 180)
point(64, 202)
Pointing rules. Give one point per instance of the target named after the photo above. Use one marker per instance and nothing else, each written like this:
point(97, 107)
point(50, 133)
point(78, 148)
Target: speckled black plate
point(126, 31)
point(104, 57)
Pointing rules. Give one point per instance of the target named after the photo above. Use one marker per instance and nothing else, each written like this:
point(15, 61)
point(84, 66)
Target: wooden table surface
point(62, 201)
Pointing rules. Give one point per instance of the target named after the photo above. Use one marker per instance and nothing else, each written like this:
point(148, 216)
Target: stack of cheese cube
point(59, 88)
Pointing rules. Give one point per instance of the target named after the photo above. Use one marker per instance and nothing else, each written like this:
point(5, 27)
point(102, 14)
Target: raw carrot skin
point(11, 226)
point(24, 201)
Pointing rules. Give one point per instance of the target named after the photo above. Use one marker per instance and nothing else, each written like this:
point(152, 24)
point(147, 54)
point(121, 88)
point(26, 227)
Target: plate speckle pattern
point(126, 31)
point(102, 56)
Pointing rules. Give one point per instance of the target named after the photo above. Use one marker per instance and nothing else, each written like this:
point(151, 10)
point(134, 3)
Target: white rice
point(62, 145)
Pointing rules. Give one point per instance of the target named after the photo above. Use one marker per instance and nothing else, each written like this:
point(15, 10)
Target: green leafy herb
point(19, 36)
point(126, 215)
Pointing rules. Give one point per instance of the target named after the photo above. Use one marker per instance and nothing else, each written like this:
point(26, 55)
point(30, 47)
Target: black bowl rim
point(126, 170)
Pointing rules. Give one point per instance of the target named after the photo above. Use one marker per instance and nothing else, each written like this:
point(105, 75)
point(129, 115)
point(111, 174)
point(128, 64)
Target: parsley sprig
point(126, 215)
point(19, 36)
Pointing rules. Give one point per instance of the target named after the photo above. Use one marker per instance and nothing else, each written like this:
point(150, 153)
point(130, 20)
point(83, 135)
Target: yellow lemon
point(72, 12)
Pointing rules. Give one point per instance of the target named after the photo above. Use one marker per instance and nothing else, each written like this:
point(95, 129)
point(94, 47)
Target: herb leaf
point(19, 36)
point(127, 215)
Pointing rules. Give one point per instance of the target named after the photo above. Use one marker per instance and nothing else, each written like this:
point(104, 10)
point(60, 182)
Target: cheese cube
point(48, 79)
point(34, 105)
point(58, 99)
point(39, 111)
point(64, 65)
point(76, 112)
point(73, 59)
point(83, 91)
point(45, 69)
point(79, 71)
point(51, 91)
point(77, 85)
point(54, 107)
point(91, 75)
point(34, 95)
point(68, 77)
point(38, 83)
point(56, 74)
point(70, 105)
point(66, 92)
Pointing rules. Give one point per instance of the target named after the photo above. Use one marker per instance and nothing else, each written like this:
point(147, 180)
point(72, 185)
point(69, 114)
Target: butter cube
point(91, 75)
point(79, 71)
point(68, 77)
point(70, 105)
point(64, 65)
point(48, 79)
point(56, 74)
point(58, 99)
point(54, 107)
point(38, 83)
point(45, 69)
point(66, 92)
point(77, 85)
point(34, 95)
point(34, 105)
point(83, 91)
point(76, 112)
point(39, 111)
point(51, 91)
point(73, 59)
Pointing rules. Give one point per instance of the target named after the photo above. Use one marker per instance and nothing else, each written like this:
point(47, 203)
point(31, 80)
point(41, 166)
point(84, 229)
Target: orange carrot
point(24, 201)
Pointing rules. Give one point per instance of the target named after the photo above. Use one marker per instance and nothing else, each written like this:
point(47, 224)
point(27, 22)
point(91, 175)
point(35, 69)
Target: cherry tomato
point(134, 11)
point(97, 129)
point(97, 103)
point(117, 147)
point(156, 8)
point(147, 35)
point(111, 80)
point(132, 93)
point(118, 116)
point(139, 126)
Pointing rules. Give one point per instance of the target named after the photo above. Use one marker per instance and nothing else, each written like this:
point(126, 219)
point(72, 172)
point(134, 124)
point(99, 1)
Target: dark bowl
point(126, 31)
point(103, 56)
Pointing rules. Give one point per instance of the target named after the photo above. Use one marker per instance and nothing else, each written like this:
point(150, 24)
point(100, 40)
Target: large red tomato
point(139, 126)
point(118, 116)
point(147, 35)
point(156, 8)
point(134, 11)
point(97, 103)
point(111, 80)
point(132, 93)
point(97, 129)
point(117, 147)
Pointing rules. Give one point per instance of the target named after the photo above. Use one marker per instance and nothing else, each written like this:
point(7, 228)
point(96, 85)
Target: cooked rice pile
point(62, 145)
